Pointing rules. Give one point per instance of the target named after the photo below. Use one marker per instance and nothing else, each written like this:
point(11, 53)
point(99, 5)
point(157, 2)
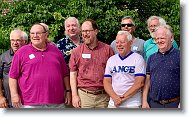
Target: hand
point(117, 100)
point(76, 102)
point(145, 104)
point(16, 103)
point(3, 103)
point(68, 98)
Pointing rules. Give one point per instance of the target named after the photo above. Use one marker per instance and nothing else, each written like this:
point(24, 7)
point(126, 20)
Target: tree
point(107, 13)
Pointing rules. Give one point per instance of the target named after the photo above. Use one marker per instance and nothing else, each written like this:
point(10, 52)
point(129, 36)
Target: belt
point(93, 92)
point(169, 100)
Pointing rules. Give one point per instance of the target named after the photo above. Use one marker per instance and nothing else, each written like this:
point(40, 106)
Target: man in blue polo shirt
point(163, 73)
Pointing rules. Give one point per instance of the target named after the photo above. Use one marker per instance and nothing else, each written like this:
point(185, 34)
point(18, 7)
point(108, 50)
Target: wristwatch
point(68, 90)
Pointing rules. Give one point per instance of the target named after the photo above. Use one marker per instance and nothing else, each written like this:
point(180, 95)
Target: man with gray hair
point(150, 46)
point(128, 24)
point(163, 72)
point(18, 38)
point(124, 74)
point(72, 39)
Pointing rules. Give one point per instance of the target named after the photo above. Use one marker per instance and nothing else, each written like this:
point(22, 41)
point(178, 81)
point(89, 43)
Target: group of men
point(87, 73)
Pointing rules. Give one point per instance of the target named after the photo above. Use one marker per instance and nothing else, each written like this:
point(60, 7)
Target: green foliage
point(107, 14)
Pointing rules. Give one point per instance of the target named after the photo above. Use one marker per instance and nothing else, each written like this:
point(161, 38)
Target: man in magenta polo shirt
point(38, 75)
point(87, 65)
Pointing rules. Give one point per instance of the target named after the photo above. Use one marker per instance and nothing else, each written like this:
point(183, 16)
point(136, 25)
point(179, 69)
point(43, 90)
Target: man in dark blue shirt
point(163, 73)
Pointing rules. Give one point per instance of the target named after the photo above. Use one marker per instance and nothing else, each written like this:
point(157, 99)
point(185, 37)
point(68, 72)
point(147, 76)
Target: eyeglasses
point(37, 33)
point(153, 26)
point(128, 25)
point(161, 38)
point(16, 40)
point(87, 31)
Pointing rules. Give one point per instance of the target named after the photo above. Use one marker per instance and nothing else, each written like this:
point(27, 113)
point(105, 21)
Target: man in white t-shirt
point(124, 74)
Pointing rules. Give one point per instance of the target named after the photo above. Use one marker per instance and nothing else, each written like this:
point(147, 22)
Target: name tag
point(86, 55)
point(31, 56)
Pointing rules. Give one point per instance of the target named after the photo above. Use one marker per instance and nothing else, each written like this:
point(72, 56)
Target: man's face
point(16, 41)
point(38, 36)
point(71, 28)
point(123, 45)
point(152, 25)
point(163, 39)
point(88, 33)
point(126, 25)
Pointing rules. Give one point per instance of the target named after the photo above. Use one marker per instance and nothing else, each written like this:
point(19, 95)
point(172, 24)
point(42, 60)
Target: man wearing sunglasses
point(127, 24)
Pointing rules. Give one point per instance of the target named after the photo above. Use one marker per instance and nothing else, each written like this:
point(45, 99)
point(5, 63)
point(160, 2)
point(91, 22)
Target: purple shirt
point(90, 64)
point(40, 75)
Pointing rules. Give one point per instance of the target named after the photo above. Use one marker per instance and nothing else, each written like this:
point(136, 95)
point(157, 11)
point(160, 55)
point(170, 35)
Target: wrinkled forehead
point(87, 25)
point(161, 32)
point(36, 28)
point(71, 21)
point(126, 21)
point(154, 22)
point(121, 37)
point(16, 35)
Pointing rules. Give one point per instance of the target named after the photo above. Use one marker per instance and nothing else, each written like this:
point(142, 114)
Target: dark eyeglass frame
point(128, 25)
point(37, 33)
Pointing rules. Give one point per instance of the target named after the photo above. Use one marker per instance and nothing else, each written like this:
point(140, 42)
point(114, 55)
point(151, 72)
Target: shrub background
point(107, 14)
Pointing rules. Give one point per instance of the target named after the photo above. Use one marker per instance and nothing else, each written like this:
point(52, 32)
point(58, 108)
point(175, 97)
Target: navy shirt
point(65, 45)
point(164, 71)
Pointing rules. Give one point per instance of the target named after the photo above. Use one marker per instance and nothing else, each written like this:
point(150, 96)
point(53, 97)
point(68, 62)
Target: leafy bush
point(107, 13)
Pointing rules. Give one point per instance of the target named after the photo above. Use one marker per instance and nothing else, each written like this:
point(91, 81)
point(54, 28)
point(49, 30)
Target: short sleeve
point(108, 72)
point(140, 67)
point(15, 67)
point(148, 66)
point(73, 61)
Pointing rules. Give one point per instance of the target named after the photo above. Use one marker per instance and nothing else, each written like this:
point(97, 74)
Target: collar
point(167, 52)
point(34, 49)
point(70, 41)
point(152, 40)
point(11, 52)
point(122, 58)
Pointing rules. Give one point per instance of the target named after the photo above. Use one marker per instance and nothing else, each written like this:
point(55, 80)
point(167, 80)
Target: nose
point(85, 32)
point(71, 27)
point(157, 40)
point(35, 34)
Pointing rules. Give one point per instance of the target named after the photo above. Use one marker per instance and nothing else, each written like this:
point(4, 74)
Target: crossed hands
point(118, 99)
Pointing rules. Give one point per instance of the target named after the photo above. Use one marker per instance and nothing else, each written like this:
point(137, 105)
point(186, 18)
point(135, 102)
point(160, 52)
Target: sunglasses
point(128, 25)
